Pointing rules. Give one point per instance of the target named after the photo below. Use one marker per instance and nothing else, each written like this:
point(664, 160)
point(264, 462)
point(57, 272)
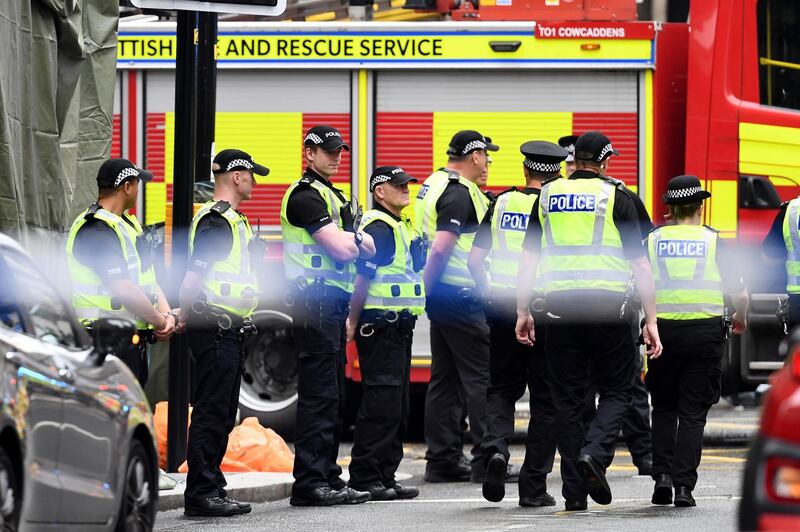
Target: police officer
point(782, 245)
point(110, 265)
point(583, 241)
point(568, 143)
point(321, 242)
point(636, 424)
point(217, 297)
point(448, 209)
point(512, 365)
point(692, 273)
point(388, 297)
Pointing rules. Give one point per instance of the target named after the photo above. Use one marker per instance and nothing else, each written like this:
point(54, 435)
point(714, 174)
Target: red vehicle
point(718, 97)
point(771, 488)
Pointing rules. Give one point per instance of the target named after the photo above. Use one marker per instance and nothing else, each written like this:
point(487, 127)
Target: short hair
point(680, 212)
point(588, 162)
point(458, 158)
point(539, 175)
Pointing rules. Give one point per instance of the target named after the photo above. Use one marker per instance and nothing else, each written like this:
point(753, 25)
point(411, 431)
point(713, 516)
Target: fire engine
point(718, 98)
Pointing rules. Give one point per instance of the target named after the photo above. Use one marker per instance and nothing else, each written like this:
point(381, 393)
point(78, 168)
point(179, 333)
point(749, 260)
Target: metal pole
point(206, 92)
point(182, 191)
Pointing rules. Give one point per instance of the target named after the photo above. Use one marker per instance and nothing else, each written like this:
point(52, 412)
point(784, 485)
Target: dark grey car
point(77, 445)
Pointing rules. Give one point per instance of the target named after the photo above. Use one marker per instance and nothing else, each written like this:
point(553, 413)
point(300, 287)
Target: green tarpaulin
point(56, 101)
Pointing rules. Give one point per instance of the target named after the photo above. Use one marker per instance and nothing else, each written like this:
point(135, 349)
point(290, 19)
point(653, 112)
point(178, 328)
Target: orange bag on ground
point(253, 448)
point(160, 422)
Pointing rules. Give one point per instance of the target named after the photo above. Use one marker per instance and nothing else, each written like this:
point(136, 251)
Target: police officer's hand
point(351, 330)
point(168, 330)
point(739, 323)
point(524, 329)
point(652, 340)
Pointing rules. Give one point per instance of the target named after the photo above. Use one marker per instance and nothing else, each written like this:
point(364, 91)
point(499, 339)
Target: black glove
point(348, 218)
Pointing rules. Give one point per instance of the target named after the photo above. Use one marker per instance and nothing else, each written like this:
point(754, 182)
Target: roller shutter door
point(417, 113)
point(264, 112)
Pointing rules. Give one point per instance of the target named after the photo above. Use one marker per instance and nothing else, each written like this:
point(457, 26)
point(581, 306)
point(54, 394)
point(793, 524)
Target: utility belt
point(146, 336)
point(206, 315)
point(301, 291)
point(375, 320)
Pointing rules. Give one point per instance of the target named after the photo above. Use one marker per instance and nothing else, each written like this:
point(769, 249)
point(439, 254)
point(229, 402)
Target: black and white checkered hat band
point(125, 174)
point(380, 178)
point(606, 149)
point(239, 162)
point(546, 168)
point(313, 137)
point(474, 145)
point(683, 192)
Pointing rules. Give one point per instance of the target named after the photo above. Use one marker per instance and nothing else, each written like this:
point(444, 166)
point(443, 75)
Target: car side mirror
point(112, 336)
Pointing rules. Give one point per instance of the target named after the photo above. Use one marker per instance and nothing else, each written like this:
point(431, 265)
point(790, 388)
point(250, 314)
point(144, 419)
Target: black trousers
point(218, 372)
point(319, 333)
point(586, 332)
point(684, 382)
point(459, 368)
point(636, 423)
point(385, 362)
point(512, 367)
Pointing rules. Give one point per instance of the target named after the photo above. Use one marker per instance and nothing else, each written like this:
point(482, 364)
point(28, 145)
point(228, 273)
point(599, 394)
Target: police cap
point(389, 174)
point(230, 160)
point(568, 143)
point(593, 146)
point(542, 156)
point(685, 190)
point(467, 141)
point(114, 172)
point(326, 137)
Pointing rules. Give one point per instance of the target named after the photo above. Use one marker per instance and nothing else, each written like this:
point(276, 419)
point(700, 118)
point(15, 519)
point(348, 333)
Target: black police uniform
point(685, 381)
point(636, 424)
point(318, 317)
point(218, 366)
point(512, 367)
point(460, 355)
point(384, 354)
point(584, 330)
point(774, 247)
point(97, 247)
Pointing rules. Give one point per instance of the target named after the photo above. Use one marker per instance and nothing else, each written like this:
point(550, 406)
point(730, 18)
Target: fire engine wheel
point(269, 383)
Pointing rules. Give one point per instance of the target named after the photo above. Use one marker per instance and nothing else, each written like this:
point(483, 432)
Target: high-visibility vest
point(303, 257)
point(425, 215)
point(396, 286)
point(581, 245)
point(91, 298)
point(791, 236)
point(509, 222)
point(688, 282)
point(230, 283)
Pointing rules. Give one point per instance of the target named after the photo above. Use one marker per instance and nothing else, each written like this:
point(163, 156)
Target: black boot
point(662, 492)
point(683, 497)
point(494, 488)
point(596, 482)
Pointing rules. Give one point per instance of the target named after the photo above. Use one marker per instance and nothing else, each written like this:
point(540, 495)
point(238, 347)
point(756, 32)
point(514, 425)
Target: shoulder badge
point(220, 207)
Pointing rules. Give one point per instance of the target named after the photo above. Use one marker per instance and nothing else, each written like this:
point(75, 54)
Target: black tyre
point(140, 492)
point(269, 384)
point(10, 494)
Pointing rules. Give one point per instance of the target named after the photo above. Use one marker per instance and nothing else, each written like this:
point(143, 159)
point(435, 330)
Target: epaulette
point(91, 211)
point(614, 181)
point(220, 207)
point(452, 175)
point(550, 180)
point(711, 228)
point(305, 181)
point(784, 204)
point(656, 228)
point(506, 191)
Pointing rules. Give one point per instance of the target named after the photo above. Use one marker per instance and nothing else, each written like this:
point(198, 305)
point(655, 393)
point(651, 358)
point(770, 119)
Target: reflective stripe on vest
point(509, 222)
point(687, 278)
point(229, 281)
point(581, 248)
point(425, 216)
point(303, 257)
point(791, 237)
point(396, 286)
point(91, 298)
